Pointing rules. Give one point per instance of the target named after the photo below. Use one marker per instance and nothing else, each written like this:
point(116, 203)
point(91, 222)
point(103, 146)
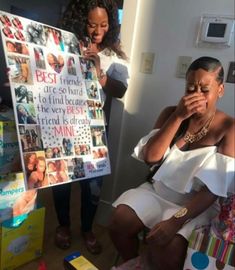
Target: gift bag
point(21, 243)
point(210, 253)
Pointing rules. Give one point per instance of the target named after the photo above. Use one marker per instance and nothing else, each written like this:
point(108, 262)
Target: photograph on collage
point(30, 138)
point(20, 69)
point(35, 166)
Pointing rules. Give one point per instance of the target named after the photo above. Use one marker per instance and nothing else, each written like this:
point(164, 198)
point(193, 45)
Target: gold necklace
point(191, 138)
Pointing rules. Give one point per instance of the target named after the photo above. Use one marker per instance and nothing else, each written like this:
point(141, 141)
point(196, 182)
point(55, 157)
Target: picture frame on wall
point(231, 73)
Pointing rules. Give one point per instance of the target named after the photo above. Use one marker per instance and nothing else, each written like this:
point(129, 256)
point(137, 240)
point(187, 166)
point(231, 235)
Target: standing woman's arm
point(112, 87)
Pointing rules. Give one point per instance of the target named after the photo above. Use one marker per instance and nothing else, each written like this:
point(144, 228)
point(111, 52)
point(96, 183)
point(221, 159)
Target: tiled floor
point(52, 256)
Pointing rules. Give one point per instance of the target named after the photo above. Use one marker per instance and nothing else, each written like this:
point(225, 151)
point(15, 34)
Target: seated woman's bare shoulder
point(225, 129)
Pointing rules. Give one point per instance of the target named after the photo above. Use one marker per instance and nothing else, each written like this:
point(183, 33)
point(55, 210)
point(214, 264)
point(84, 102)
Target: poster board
point(57, 103)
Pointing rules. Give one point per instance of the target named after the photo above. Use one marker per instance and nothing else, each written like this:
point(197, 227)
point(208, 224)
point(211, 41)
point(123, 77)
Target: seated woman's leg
point(124, 228)
point(167, 257)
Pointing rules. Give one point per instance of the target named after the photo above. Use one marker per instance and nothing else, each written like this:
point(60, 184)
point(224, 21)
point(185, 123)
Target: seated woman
point(191, 154)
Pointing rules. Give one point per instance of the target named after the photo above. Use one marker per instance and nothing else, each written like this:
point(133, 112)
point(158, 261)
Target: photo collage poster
point(57, 103)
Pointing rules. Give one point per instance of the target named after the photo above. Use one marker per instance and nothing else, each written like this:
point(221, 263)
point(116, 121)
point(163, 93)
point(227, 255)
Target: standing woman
point(97, 20)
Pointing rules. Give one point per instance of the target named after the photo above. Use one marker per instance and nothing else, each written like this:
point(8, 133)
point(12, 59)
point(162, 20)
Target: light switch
point(182, 66)
point(147, 61)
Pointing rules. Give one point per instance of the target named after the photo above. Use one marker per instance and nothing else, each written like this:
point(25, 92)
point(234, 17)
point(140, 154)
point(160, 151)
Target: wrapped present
point(76, 261)
point(21, 243)
point(223, 225)
point(208, 252)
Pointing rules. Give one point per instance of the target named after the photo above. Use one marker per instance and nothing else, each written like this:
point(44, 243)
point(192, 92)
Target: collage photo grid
point(49, 159)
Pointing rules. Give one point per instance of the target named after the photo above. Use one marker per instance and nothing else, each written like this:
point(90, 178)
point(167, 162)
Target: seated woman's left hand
point(163, 232)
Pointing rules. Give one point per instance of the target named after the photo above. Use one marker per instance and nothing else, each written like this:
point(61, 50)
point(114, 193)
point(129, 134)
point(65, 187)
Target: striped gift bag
point(209, 253)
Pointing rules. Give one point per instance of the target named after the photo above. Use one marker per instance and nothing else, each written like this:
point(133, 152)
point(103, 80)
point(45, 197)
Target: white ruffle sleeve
point(185, 171)
point(115, 67)
point(119, 71)
point(138, 150)
point(218, 174)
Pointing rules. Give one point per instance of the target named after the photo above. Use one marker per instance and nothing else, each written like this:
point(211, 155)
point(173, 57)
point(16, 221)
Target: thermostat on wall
point(215, 31)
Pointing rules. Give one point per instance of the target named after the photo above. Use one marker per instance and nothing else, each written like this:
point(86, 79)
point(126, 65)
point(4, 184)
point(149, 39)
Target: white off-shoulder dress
point(180, 175)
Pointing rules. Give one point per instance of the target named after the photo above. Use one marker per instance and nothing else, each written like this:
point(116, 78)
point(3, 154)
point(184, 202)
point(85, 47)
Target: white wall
point(167, 28)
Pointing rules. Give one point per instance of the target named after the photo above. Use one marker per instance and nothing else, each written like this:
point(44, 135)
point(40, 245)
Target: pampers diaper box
point(12, 186)
point(14, 199)
point(9, 148)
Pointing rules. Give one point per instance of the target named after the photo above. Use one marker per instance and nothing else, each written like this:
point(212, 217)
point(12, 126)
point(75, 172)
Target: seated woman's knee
point(124, 219)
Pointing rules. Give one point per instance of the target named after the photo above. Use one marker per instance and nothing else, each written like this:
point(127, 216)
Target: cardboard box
point(22, 243)
point(76, 261)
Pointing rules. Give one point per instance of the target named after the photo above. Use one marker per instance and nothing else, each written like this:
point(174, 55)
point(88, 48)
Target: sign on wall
point(57, 103)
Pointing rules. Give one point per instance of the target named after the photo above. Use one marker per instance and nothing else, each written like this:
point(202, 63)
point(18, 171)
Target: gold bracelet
point(181, 213)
